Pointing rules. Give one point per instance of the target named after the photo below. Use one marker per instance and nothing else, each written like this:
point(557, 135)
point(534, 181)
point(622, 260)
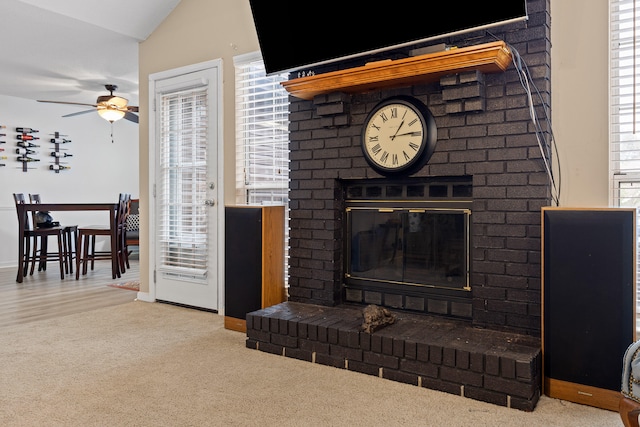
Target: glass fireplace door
point(419, 247)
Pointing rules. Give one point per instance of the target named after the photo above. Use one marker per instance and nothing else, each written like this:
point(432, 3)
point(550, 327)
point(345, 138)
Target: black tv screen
point(294, 35)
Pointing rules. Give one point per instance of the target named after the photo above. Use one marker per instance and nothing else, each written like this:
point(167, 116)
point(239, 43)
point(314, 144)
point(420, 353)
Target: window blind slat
point(625, 121)
point(183, 222)
point(262, 132)
point(262, 138)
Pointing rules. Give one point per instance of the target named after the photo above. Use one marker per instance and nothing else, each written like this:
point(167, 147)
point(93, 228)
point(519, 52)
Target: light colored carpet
point(153, 364)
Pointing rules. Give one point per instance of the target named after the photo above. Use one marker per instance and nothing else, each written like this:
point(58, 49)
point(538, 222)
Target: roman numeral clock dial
point(399, 136)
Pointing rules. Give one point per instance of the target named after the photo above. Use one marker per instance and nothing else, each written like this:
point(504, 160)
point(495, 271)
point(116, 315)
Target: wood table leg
point(21, 245)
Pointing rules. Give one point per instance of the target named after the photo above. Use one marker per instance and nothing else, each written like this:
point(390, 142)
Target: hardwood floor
point(44, 295)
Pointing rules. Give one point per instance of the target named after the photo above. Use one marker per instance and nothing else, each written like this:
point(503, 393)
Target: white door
point(187, 189)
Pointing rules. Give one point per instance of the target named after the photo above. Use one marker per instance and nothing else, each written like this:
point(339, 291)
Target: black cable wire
point(550, 144)
point(547, 147)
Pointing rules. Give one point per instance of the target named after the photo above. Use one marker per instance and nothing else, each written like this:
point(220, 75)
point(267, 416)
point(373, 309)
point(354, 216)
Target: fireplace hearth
point(425, 351)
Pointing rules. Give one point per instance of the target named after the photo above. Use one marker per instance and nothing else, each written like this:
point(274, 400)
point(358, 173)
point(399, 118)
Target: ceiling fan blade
point(78, 113)
point(68, 103)
point(131, 117)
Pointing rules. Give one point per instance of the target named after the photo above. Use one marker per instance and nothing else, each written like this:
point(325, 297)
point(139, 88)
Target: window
point(182, 165)
point(624, 112)
point(262, 134)
point(625, 134)
point(262, 137)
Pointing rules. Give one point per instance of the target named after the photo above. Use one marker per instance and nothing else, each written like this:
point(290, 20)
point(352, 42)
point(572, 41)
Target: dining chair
point(121, 220)
point(86, 253)
point(35, 236)
point(70, 236)
point(132, 229)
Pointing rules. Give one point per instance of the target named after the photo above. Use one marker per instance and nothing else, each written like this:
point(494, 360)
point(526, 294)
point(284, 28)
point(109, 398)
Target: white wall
point(100, 169)
point(579, 98)
point(579, 82)
point(200, 30)
point(195, 31)
point(223, 28)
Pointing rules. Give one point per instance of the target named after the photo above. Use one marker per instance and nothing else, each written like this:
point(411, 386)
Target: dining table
point(24, 208)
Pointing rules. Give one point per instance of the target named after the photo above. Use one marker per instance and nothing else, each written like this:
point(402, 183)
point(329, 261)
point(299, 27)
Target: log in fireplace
point(407, 244)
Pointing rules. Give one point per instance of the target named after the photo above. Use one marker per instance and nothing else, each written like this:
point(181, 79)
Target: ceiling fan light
point(112, 100)
point(110, 115)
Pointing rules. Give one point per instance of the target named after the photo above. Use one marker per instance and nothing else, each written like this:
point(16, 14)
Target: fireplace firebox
point(407, 243)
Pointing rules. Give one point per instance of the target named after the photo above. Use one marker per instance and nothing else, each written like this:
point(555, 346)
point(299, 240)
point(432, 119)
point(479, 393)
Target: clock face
point(398, 136)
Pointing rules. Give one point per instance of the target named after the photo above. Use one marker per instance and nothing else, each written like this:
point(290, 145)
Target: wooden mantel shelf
point(488, 58)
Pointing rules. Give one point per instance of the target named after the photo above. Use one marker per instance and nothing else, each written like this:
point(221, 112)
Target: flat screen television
point(295, 35)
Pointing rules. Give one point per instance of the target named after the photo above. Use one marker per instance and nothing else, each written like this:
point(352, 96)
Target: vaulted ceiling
point(67, 50)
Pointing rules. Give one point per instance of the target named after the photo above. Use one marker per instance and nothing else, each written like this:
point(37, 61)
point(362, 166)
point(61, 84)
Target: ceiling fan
point(110, 107)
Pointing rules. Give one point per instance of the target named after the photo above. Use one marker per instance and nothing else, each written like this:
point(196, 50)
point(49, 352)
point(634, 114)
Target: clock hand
point(397, 130)
point(415, 133)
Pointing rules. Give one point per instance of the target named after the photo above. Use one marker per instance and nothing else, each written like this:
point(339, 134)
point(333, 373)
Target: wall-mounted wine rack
point(2, 148)
point(59, 153)
point(26, 145)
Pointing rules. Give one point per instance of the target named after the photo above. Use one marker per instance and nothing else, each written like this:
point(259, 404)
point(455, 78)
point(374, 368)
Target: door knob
point(210, 202)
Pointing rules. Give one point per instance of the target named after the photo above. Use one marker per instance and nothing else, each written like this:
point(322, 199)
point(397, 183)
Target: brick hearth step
point(437, 353)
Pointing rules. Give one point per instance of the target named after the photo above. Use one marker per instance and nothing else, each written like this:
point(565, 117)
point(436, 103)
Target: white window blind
point(262, 139)
point(183, 225)
point(624, 113)
point(624, 108)
point(262, 134)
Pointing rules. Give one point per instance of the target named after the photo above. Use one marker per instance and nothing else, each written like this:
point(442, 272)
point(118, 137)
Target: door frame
point(219, 198)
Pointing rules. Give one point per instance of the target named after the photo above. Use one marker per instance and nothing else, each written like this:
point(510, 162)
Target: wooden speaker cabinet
point(588, 302)
point(254, 261)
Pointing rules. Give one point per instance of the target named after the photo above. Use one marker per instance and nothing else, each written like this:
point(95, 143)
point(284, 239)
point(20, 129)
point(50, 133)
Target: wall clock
point(399, 135)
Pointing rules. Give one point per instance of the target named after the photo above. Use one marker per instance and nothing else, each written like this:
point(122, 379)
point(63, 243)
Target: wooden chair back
point(29, 222)
point(123, 212)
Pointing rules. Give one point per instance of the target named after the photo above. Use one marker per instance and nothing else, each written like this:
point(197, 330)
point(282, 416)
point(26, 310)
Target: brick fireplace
point(485, 138)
